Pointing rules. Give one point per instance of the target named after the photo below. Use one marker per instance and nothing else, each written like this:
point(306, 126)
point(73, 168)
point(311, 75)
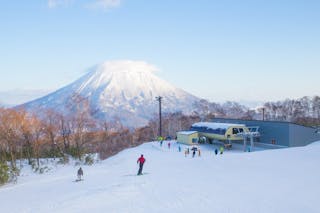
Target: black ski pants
point(140, 169)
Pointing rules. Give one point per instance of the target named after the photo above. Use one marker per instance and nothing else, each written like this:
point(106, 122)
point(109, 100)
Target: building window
point(235, 131)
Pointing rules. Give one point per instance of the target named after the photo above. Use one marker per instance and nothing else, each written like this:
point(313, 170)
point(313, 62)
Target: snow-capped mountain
point(123, 89)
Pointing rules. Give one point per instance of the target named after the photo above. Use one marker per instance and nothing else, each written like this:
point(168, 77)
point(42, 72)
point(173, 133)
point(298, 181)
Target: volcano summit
point(123, 89)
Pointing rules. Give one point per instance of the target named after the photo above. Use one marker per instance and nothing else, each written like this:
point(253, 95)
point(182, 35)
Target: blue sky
point(219, 50)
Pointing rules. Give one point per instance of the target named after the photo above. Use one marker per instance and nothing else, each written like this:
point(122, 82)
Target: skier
point(199, 152)
point(186, 153)
point(221, 150)
point(141, 161)
point(216, 151)
point(193, 153)
point(161, 143)
point(169, 145)
point(80, 173)
point(179, 148)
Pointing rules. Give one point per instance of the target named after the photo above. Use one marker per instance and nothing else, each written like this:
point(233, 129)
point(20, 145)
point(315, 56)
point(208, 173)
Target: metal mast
point(159, 98)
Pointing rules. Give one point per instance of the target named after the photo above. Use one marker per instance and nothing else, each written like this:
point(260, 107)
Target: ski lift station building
point(280, 133)
point(212, 131)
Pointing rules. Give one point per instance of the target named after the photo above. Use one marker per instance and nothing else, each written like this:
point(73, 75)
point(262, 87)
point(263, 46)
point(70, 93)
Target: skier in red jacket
point(141, 161)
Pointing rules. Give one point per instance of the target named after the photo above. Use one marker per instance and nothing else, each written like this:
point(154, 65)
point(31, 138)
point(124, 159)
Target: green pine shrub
point(89, 160)
point(4, 173)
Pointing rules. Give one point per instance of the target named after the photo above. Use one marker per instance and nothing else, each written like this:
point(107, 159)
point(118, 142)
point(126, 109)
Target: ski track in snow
point(270, 181)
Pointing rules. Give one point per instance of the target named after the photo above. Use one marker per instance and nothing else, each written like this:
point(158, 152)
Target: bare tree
point(10, 132)
point(81, 123)
point(65, 131)
point(51, 129)
point(316, 107)
point(37, 132)
point(26, 131)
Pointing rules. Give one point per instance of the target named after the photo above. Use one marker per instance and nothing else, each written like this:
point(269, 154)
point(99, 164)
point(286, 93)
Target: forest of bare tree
point(304, 111)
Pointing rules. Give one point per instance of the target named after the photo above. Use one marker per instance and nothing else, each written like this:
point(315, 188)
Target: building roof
point(187, 132)
point(213, 125)
point(263, 121)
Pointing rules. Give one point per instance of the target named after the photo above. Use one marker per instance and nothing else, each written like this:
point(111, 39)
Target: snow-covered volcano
point(124, 90)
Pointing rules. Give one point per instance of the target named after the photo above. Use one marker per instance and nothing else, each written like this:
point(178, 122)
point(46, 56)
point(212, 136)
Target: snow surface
point(187, 132)
point(282, 180)
point(215, 125)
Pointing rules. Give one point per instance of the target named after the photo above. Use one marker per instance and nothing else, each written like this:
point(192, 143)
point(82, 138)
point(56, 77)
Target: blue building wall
point(301, 135)
point(282, 133)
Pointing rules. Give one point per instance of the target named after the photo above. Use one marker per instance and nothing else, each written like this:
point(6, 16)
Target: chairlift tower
point(250, 136)
point(159, 98)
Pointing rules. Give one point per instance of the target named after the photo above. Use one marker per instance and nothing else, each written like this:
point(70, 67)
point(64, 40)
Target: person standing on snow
point(221, 150)
point(169, 145)
point(80, 173)
point(141, 161)
point(193, 153)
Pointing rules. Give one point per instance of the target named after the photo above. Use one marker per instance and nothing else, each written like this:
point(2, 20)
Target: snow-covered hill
point(284, 180)
point(120, 89)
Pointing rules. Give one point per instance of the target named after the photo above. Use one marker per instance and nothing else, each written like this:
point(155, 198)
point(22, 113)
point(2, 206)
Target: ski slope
point(282, 180)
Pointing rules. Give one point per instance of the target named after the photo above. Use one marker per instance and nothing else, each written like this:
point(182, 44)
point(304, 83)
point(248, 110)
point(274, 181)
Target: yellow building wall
point(186, 138)
point(235, 137)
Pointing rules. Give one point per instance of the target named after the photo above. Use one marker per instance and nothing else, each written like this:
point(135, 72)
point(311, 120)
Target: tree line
point(304, 111)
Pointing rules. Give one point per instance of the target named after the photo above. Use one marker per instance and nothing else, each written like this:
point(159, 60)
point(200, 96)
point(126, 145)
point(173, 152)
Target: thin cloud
point(59, 3)
point(93, 4)
point(104, 4)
